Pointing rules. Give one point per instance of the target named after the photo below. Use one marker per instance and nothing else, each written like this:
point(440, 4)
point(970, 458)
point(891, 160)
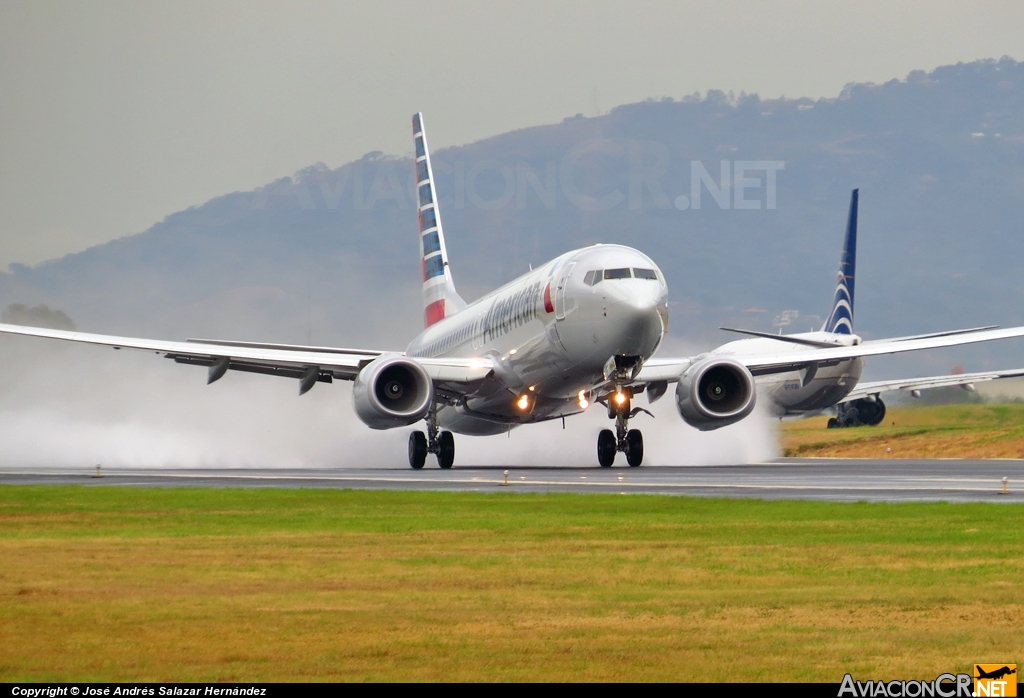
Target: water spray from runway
point(74, 406)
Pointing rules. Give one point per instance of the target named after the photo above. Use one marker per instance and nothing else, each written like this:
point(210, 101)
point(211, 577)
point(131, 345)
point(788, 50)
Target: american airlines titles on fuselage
point(550, 334)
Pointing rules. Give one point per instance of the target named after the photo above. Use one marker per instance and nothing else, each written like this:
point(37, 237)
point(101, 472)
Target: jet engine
point(714, 393)
point(868, 410)
point(392, 391)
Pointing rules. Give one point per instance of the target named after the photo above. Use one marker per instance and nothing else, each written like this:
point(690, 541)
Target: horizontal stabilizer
point(784, 338)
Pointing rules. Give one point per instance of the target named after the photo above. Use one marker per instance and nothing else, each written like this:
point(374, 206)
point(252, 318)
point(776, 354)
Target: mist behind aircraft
point(131, 409)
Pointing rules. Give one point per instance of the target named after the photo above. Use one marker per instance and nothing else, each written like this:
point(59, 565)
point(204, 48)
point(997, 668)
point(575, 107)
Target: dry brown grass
point(950, 431)
point(132, 584)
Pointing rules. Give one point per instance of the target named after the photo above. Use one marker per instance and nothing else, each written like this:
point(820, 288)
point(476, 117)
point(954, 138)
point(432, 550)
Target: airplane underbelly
point(820, 397)
point(828, 387)
point(498, 414)
point(460, 422)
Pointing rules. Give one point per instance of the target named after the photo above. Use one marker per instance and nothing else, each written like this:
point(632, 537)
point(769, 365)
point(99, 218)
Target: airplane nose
point(644, 300)
point(640, 312)
point(640, 298)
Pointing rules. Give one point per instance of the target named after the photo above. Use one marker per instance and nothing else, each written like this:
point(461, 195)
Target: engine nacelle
point(869, 410)
point(392, 391)
point(715, 393)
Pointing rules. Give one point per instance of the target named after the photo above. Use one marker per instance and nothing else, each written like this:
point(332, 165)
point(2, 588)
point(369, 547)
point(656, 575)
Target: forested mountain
point(330, 255)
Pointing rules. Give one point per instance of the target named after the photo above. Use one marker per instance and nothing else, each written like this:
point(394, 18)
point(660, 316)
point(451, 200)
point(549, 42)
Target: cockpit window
point(595, 277)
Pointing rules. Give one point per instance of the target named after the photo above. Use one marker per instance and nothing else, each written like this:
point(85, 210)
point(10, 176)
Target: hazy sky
point(115, 114)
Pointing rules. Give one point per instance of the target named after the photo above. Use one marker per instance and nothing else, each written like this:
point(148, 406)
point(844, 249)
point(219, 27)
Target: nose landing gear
point(624, 439)
point(440, 443)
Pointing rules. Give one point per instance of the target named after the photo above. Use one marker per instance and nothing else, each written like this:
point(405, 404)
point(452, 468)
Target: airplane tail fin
point(840, 320)
point(439, 296)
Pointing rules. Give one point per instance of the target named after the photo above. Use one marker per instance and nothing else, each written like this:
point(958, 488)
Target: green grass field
point(941, 431)
point(111, 583)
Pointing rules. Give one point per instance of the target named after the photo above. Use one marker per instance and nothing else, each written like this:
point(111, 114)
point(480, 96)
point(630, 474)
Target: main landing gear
point(440, 443)
point(629, 441)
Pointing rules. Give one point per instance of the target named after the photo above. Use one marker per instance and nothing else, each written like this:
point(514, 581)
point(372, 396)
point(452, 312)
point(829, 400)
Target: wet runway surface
point(818, 479)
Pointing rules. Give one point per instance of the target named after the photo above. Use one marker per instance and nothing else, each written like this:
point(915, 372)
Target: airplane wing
point(964, 379)
point(797, 358)
point(309, 364)
point(933, 334)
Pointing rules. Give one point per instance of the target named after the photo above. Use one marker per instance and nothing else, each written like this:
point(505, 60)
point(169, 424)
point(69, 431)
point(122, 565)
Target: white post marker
point(1006, 484)
point(505, 484)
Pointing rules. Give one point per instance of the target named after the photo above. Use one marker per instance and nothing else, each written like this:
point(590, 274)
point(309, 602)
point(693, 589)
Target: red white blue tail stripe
point(840, 321)
point(439, 296)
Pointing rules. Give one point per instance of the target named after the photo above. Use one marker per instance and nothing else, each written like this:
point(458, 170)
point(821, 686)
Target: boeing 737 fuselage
point(550, 334)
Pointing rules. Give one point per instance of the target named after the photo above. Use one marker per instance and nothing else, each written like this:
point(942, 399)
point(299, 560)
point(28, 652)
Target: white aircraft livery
point(837, 383)
point(580, 330)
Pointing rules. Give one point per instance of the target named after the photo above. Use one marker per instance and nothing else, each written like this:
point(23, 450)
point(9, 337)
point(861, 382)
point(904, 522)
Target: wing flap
point(299, 372)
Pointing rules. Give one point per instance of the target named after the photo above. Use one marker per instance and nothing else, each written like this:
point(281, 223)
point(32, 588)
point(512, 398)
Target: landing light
point(584, 403)
point(523, 402)
point(620, 398)
point(512, 351)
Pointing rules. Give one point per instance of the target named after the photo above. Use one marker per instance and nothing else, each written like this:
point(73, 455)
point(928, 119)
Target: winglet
point(840, 320)
point(439, 296)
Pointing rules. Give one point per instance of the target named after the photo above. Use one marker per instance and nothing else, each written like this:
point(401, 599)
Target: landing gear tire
point(833, 423)
point(417, 449)
point(634, 448)
point(606, 448)
point(445, 449)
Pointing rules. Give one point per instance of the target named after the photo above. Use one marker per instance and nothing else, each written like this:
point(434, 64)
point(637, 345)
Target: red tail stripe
point(433, 313)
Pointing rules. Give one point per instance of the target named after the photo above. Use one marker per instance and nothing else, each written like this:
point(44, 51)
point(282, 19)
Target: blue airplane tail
point(840, 320)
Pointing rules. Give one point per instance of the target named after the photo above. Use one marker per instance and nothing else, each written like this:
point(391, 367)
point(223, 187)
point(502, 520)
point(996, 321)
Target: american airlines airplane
point(579, 331)
point(836, 383)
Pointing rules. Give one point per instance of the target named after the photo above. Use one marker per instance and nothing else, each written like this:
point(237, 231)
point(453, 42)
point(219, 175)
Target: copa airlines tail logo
point(841, 319)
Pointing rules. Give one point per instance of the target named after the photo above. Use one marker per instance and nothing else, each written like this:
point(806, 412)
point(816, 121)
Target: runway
point(810, 479)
